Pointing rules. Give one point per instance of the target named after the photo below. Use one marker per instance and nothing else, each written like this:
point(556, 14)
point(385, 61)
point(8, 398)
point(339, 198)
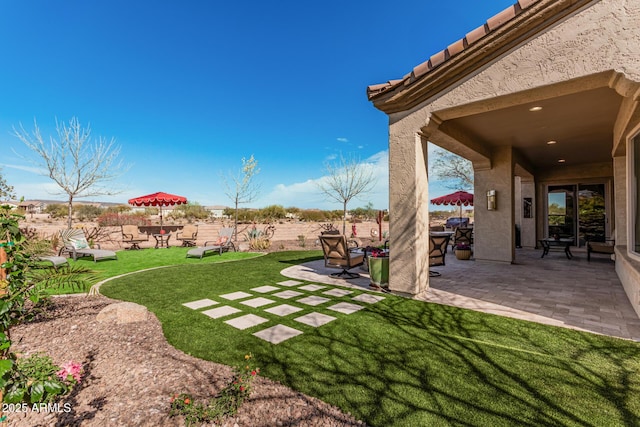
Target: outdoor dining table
point(561, 243)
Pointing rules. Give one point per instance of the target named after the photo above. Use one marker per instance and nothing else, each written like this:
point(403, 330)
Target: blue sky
point(189, 88)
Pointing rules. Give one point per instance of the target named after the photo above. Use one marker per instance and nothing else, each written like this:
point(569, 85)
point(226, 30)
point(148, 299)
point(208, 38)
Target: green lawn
point(401, 362)
point(129, 261)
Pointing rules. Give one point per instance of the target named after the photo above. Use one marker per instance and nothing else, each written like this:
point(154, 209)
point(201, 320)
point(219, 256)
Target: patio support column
point(494, 231)
point(619, 225)
point(408, 211)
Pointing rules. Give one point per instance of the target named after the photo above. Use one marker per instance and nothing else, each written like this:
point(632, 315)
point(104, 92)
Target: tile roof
point(453, 49)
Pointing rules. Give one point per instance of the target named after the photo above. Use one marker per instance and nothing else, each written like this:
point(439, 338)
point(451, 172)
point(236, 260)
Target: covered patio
point(553, 290)
point(544, 104)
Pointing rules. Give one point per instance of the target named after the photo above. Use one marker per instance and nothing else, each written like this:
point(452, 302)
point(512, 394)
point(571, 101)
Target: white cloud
point(31, 169)
point(342, 139)
point(307, 194)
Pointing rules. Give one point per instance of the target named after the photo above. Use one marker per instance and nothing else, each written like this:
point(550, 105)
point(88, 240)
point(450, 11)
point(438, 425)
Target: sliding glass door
point(577, 211)
point(561, 211)
point(592, 217)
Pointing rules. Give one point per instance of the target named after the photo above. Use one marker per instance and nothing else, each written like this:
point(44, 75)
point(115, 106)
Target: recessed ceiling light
point(536, 108)
point(561, 160)
point(552, 142)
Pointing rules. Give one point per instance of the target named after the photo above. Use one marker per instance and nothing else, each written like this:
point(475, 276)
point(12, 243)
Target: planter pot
point(379, 270)
point(463, 253)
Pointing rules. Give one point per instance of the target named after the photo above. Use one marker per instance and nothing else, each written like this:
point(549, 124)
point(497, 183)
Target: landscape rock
point(123, 312)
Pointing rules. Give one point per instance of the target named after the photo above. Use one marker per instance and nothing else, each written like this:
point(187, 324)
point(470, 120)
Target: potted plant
point(378, 261)
point(462, 251)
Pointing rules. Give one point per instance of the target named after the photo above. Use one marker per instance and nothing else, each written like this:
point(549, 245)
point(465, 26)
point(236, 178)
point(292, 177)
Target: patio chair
point(222, 244)
point(606, 247)
point(463, 235)
point(131, 234)
point(437, 252)
point(188, 235)
point(337, 255)
point(56, 261)
point(75, 245)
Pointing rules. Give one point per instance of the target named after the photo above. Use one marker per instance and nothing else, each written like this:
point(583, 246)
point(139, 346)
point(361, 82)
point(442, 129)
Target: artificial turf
point(402, 362)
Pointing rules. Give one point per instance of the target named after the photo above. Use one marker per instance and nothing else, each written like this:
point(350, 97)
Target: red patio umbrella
point(158, 199)
point(458, 198)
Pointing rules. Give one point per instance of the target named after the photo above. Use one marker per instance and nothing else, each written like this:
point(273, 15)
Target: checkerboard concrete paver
point(201, 303)
point(311, 287)
point(368, 298)
point(315, 319)
point(289, 283)
point(283, 310)
point(246, 321)
point(257, 302)
point(345, 307)
point(265, 289)
point(287, 294)
point(225, 310)
point(235, 295)
point(337, 292)
point(313, 300)
point(277, 334)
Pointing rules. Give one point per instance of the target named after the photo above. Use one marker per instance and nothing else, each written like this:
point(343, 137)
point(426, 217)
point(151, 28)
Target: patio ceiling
point(580, 123)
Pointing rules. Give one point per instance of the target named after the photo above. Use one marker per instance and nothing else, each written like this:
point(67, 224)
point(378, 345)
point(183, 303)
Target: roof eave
point(466, 56)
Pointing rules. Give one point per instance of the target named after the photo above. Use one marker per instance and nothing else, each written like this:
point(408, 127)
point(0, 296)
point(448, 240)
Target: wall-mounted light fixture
point(491, 200)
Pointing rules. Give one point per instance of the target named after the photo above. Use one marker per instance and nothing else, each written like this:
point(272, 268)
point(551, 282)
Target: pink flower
point(72, 369)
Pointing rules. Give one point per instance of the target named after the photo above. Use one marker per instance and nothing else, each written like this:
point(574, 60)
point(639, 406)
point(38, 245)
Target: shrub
point(57, 210)
point(226, 403)
point(259, 244)
point(87, 212)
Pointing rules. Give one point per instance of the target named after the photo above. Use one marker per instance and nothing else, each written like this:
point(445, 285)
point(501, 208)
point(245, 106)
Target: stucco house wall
point(593, 47)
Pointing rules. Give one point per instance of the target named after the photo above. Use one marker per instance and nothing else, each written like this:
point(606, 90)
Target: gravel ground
point(131, 372)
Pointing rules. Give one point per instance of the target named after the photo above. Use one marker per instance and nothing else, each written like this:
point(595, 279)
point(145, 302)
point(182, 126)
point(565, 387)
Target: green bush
point(57, 210)
point(87, 212)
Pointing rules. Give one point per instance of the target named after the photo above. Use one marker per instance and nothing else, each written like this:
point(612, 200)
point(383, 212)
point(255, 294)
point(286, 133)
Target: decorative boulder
point(123, 312)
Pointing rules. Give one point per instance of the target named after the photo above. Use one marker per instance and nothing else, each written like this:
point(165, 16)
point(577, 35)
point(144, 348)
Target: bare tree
point(452, 168)
point(6, 190)
point(78, 165)
point(346, 179)
point(241, 187)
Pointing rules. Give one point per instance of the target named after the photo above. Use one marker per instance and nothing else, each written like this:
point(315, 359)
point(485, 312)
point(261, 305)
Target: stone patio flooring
point(552, 290)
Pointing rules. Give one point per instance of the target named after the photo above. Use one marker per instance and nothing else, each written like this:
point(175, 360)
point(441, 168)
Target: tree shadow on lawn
point(406, 362)
point(426, 364)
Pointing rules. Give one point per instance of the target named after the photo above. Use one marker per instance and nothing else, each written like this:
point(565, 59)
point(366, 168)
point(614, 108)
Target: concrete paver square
point(246, 321)
point(257, 302)
point(277, 334)
point(311, 287)
point(265, 289)
point(313, 300)
point(345, 307)
point(225, 310)
point(315, 319)
point(201, 303)
point(283, 310)
point(337, 292)
point(368, 298)
point(287, 294)
point(235, 295)
point(289, 283)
